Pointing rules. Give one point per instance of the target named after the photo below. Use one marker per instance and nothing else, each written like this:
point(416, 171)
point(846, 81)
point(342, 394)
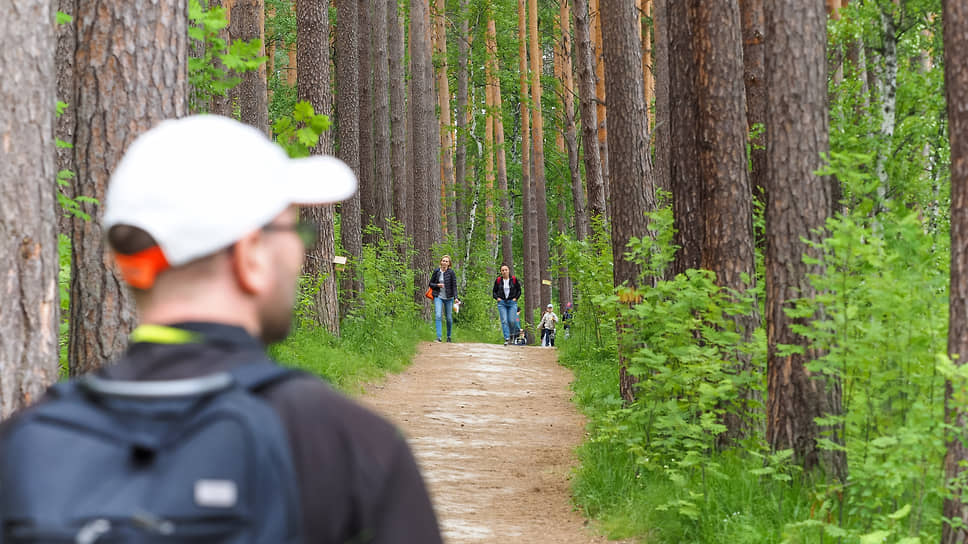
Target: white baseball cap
point(549, 306)
point(201, 183)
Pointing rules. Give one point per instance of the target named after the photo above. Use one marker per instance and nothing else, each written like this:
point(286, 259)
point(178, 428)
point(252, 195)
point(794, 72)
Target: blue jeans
point(441, 306)
point(508, 310)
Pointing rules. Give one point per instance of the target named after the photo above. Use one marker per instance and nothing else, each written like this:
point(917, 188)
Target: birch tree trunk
point(28, 227)
point(131, 66)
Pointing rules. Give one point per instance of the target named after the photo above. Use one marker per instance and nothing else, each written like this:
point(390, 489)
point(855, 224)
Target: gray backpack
point(195, 460)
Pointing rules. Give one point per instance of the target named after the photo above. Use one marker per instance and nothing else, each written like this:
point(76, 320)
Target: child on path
point(547, 326)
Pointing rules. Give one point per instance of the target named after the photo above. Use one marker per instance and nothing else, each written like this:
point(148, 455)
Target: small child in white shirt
point(547, 326)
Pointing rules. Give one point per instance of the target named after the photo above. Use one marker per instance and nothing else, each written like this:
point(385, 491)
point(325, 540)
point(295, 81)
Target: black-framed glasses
point(307, 232)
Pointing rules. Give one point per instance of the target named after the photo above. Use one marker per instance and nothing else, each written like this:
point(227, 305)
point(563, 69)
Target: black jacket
point(498, 290)
point(358, 480)
point(449, 281)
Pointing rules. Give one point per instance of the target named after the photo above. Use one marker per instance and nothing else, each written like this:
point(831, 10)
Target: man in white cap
point(202, 215)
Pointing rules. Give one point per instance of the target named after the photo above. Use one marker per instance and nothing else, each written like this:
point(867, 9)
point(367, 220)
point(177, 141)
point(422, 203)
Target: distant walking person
point(444, 283)
point(507, 291)
point(547, 326)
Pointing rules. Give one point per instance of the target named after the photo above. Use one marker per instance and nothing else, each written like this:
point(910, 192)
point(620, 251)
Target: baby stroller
point(523, 338)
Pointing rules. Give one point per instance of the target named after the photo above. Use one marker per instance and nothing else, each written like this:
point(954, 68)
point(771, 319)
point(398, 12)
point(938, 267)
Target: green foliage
point(299, 133)
point(213, 61)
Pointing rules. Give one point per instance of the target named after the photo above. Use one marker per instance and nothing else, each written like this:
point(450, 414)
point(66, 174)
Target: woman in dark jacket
point(507, 291)
point(443, 281)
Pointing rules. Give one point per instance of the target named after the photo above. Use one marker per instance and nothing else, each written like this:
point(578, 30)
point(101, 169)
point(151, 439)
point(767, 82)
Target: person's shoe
point(448, 339)
point(506, 341)
point(437, 340)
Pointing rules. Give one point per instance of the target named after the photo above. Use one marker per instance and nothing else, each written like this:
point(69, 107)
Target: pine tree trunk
point(631, 167)
point(645, 13)
point(447, 184)
point(368, 182)
point(312, 85)
point(426, 136)
point(398, 118)
point(571, 137)
point(382, 182)
point(585, 56)
point(529, 225)
point(28, 227)
point(539, 182)
point(66, 123)
point(727, 248)
point(684, 171)
point(561, 60)
point(130, 74)
point(663, 103)
point(497, 109)
point(754, 75)
point(600, 96)
point(251, 96)
point(798, 206)
point(460, 117)
point(348, 135)
point(955, 21)
point(490, 217)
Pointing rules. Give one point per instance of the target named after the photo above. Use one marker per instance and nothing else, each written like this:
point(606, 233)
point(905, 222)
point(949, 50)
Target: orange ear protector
point(140, 269)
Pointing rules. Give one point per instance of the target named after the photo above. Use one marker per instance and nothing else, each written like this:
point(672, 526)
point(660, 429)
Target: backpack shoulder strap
point(259, 375)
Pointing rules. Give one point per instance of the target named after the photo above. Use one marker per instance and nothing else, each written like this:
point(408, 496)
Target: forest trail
point(494, 432)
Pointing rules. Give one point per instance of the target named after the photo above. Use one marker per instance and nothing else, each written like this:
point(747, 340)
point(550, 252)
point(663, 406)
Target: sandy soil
point(494, 432)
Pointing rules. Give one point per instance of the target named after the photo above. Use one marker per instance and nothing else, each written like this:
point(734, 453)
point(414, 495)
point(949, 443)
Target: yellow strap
point(160, 334)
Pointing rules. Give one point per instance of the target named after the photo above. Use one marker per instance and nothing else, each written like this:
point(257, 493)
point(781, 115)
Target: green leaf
point(875, 538)
point(63, 18)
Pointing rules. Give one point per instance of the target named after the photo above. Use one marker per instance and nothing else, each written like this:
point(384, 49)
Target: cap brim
point(319, 180)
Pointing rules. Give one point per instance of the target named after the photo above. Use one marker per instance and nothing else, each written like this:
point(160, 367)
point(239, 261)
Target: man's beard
point(276, 322)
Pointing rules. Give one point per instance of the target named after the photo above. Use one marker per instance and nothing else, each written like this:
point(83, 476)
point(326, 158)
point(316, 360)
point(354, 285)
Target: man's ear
point(251, 264)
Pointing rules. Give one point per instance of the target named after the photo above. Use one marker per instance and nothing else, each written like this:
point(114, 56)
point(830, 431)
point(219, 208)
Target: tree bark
point(447, 183)
point(66, 123)
point(955, 20)
point(426, 136)
point(595, 13)
point(594, 178)
point(398, 118)
point(662, 135)
point(130, 74)
point(529, 226)
point(684, 168)
point(798, 206)
point(460, 162)
point(497, 112)
point(312, 85)
point(368, 182)
point(537, 140)
point(490, 217)
point(727, 247)
point(570, 132)
point(382, 183)
point(631, 167)
point(348, 136)
point(28, 226)
point(251, 96)
point(563, 63)
point(754, 76)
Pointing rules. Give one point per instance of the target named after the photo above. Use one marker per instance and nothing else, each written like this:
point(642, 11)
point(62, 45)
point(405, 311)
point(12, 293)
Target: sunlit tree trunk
point(631, 167)
point(312, 85)
point(348, 136)
point(130, 74)
point(798, 205)
point(537, 141)
point(645, 13)
point(585, 58)
point(490, 217)
point(955, 21)
point(28, 227)
point(496, 109)
point(563, 149)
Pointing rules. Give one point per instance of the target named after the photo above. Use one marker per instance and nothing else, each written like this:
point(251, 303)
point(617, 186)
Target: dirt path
point(494, 432)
